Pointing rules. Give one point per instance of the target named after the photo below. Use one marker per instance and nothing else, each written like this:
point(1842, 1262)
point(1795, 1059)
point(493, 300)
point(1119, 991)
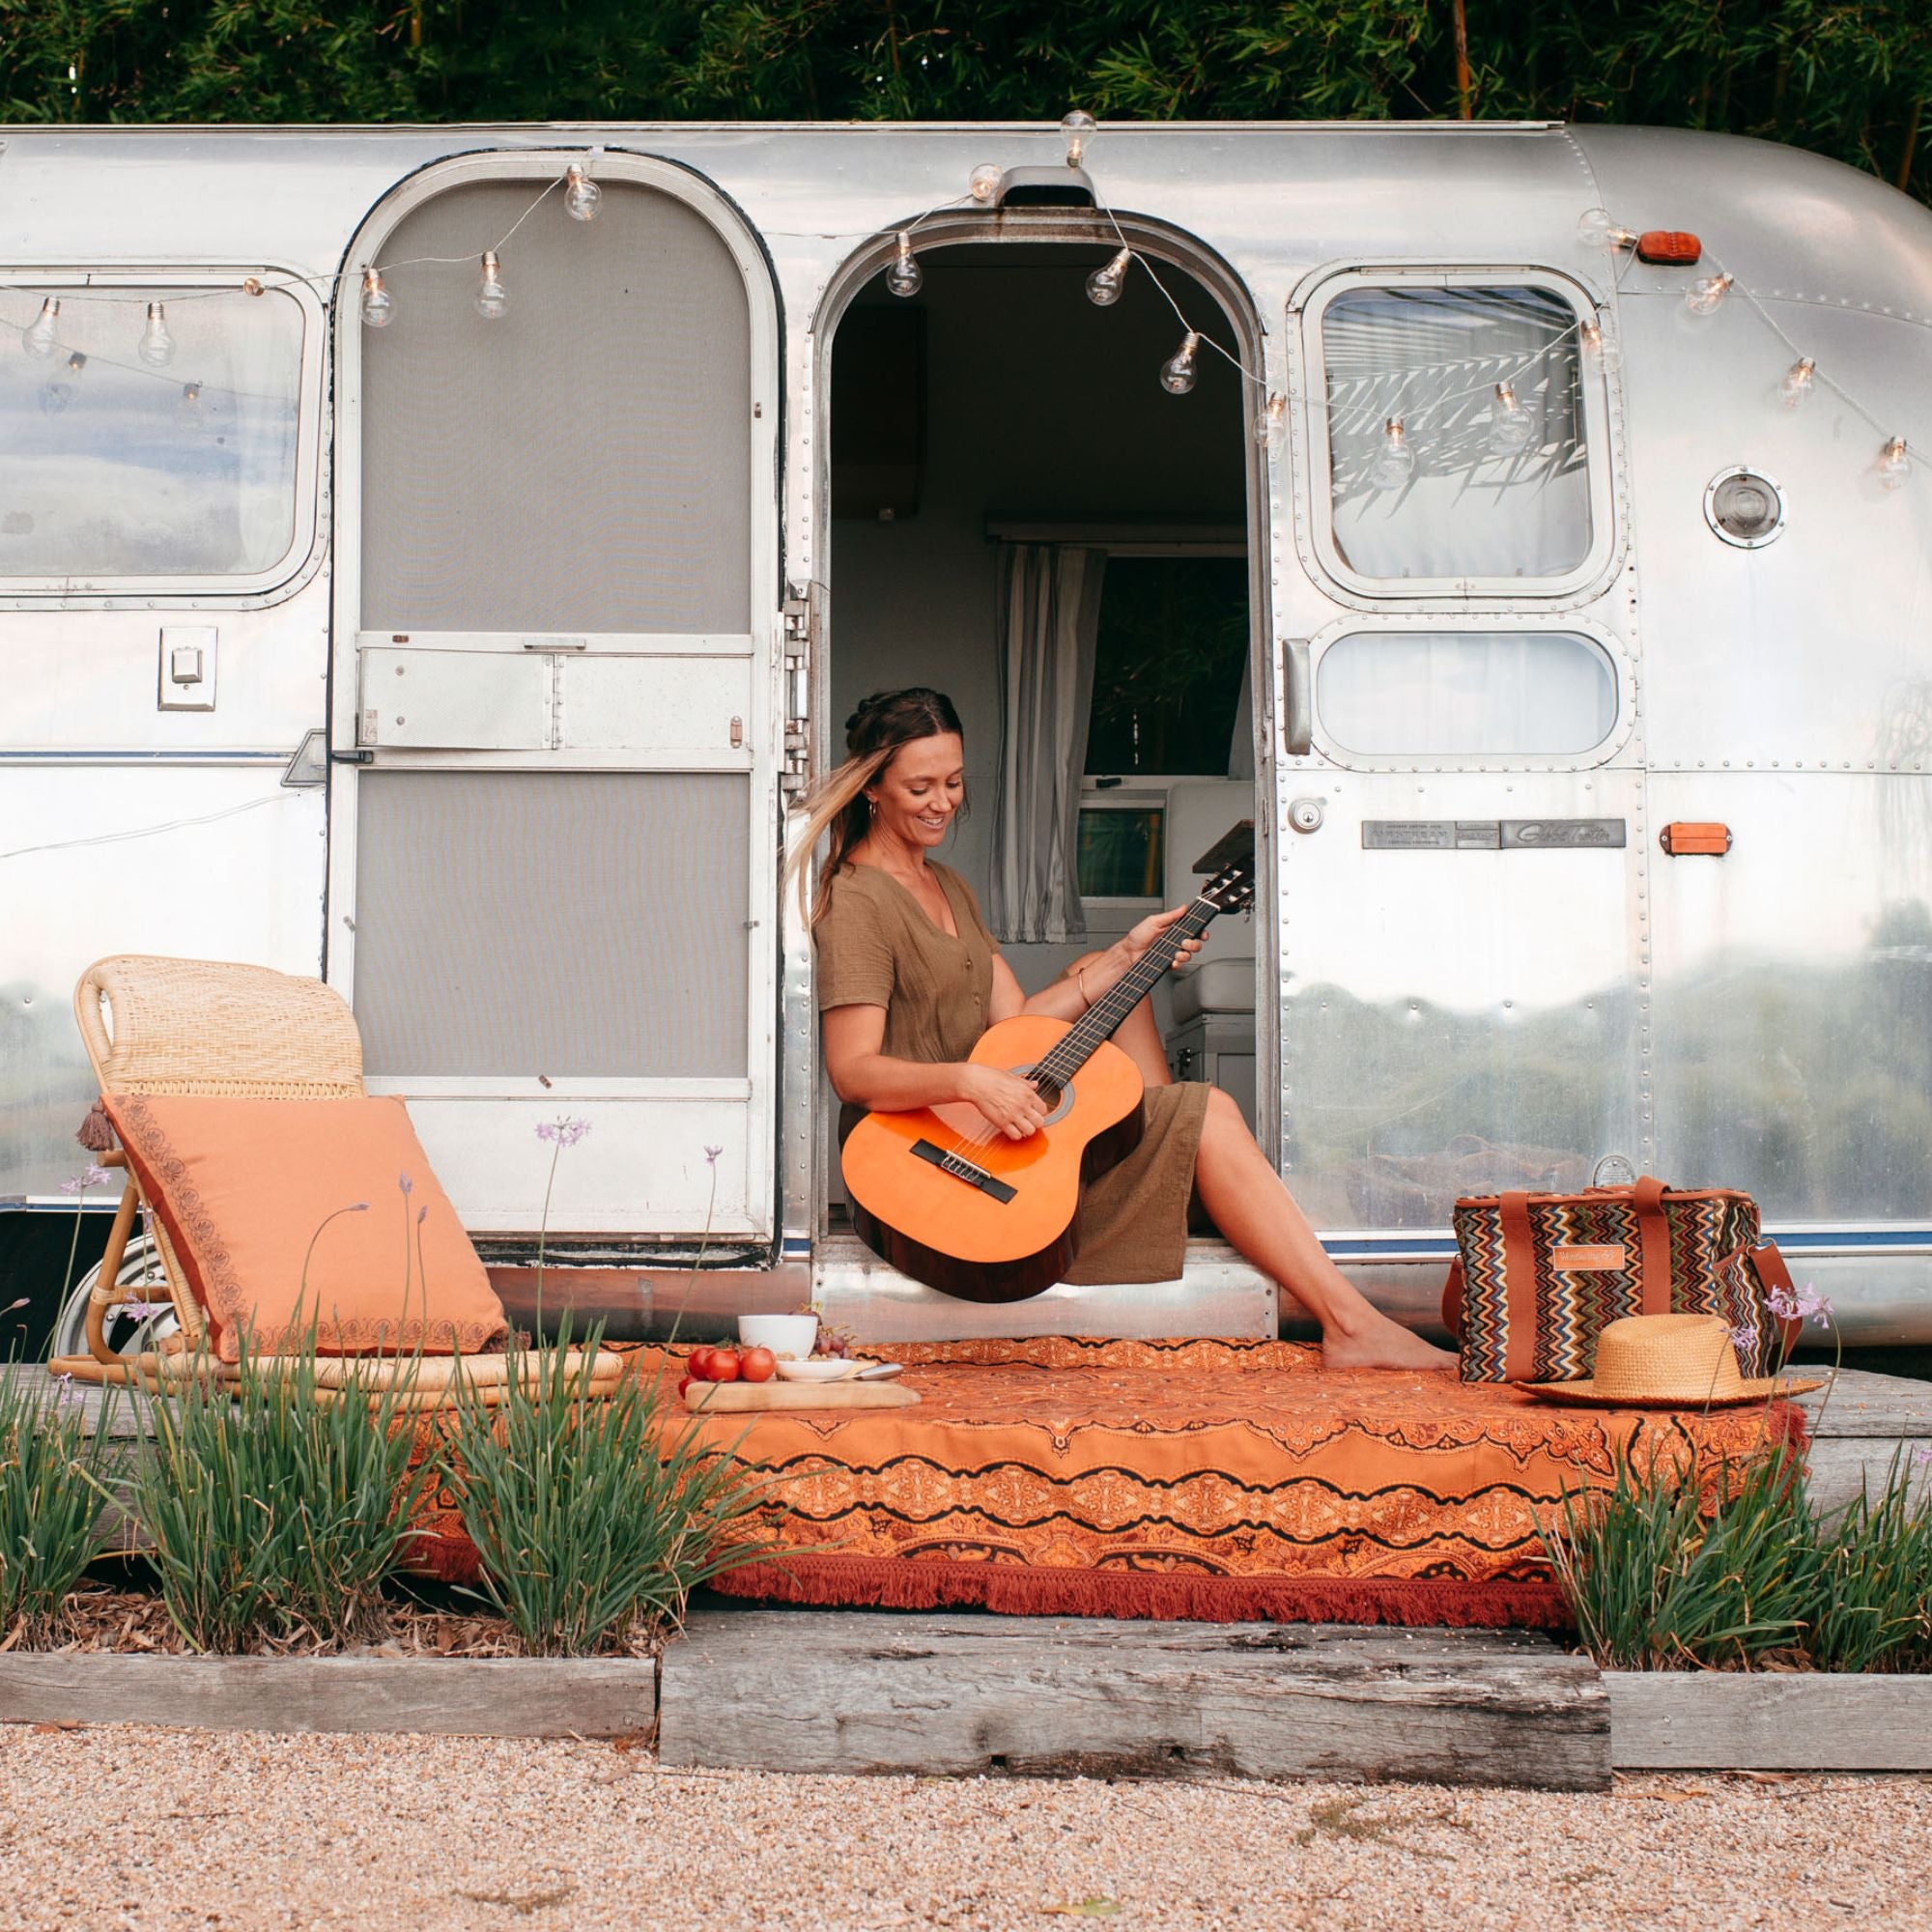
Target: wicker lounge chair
point(215, 1029)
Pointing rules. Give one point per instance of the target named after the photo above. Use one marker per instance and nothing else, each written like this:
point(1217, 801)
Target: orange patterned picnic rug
point(1207, 1479)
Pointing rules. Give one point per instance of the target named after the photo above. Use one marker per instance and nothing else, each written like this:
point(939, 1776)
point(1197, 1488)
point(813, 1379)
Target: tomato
point(723, 1365)
point(699, 1364)
point(684, 1383)
point(758, 1365)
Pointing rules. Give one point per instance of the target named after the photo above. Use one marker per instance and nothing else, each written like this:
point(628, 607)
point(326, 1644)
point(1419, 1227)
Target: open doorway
point(989, 427)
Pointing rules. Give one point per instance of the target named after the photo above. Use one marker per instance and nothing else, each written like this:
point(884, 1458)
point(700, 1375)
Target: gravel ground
point(118, 1827)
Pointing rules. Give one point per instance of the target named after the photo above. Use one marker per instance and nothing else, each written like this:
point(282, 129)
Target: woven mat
point(1221, 1480)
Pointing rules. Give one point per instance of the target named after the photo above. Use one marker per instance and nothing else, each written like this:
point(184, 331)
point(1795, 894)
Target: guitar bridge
point(962, 1169)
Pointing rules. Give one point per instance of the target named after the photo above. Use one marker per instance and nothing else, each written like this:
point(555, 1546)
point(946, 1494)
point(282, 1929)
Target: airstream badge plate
point(1488, 834)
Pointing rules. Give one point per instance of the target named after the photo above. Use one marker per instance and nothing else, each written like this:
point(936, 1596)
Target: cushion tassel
point(96, 1131)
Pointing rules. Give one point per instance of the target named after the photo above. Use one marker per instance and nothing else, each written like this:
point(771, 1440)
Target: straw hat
point(1667, 1361)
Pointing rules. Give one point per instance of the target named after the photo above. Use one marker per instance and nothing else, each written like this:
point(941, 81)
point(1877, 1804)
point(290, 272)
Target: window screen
point(115, 466)
point(582, 462)
point(1466, 693)
point(1488, 488)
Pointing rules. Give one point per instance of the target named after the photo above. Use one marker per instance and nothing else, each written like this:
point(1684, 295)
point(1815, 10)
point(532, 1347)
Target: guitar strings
point(1087, 1031)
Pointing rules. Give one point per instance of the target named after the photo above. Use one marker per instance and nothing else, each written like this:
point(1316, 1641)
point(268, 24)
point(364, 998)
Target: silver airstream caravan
point(437, 559)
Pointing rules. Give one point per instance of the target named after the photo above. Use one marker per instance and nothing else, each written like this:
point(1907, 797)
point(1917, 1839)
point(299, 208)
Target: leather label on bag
point(1588, 1255)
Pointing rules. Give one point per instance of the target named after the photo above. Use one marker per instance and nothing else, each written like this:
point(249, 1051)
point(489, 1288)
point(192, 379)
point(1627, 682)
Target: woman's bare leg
point(1256, 1214)
point(1137, 1036)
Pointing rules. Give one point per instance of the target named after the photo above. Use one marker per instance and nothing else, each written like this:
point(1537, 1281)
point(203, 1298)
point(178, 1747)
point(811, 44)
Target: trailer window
point(1440, 694)
point(1469, 484)
point(113, 466)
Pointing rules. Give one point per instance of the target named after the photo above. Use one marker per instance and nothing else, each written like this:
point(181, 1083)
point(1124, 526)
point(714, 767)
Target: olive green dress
point(877, 946)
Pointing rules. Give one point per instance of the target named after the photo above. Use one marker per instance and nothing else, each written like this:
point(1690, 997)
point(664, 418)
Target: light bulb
point(1511, 425)
point(984, 183)
point(189, 409)
point(1601, 348)
point(39, 337)
point(1596, 230)
point(1270, 425)
point(581, 194)
point(158, 346)
point(1704, 296)
point(1079, 128)
point(1177, 373)
point(55, 397)
point(905, 277)
point(1796, 389)
point(251, 285)
point(1395, 461)
point(493, 299)
point(75, 364)
point(379, 307)
point(1894, 464)
point(1105, 284)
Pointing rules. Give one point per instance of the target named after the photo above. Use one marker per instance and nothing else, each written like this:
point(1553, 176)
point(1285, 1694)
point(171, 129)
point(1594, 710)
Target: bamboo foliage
point(1846, 77)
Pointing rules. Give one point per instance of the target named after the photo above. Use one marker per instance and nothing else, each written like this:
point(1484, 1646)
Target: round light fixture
point(1744, 507)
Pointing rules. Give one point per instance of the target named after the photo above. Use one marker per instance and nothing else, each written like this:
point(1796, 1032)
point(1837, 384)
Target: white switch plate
point(181, 646)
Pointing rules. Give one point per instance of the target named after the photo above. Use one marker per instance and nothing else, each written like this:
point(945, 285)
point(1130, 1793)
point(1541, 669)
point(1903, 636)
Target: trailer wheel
point(139, 1272)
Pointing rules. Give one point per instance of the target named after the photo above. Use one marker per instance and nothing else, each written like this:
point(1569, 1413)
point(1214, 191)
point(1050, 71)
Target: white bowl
point(782, 1334)
point(820, 1369)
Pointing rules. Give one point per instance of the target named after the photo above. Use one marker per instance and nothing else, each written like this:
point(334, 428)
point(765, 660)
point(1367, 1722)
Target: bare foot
point(1382, 1344)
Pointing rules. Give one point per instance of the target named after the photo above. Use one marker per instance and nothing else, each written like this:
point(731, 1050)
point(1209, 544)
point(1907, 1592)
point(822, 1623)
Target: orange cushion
point(252, 1194)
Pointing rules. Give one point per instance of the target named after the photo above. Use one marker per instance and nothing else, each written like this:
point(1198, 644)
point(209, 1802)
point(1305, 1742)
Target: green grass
point(595, 1519)
point(51, 1498)
point(277, 1515)
point(1655, 1584)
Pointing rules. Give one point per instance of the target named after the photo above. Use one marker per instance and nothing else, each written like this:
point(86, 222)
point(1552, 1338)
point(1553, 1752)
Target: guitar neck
point(1102, 1019)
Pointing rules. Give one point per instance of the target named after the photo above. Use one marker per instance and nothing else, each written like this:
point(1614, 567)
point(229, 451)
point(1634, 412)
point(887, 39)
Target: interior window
point(1455, 432)
point(120, 456)
point(1121, 851)
point(1448, 694)
point(1167, 666)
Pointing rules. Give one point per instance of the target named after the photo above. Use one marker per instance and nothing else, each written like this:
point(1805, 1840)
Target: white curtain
point(1049, 620)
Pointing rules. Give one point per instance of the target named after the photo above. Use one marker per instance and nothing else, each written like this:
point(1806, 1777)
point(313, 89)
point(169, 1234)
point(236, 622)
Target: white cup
point(784, 1335)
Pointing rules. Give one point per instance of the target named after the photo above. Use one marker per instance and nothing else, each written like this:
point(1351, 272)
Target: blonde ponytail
point(832, 806)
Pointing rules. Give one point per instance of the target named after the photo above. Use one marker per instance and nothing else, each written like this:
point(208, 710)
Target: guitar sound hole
point(1058, 1098)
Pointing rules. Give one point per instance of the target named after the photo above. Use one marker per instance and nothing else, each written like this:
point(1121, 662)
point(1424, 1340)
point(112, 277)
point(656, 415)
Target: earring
point(872, 806)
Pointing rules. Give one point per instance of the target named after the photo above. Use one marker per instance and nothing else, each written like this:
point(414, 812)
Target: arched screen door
point(553, 842)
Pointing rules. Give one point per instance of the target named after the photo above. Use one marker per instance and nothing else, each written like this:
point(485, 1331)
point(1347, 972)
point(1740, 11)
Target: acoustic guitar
point(945, 1196)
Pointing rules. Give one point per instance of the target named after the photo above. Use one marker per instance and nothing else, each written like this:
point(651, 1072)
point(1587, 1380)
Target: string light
point(1511, 425)
point(580, 195)
point(905, 277)
point(39, 336)
point(1596, 230)
point(190, 396)
point(1270, 429)
point(492, 299)
point(158, 346)
point(379, 306)
point(1704, 296)
point(251, 285)
point(1079, 128)
point(1796, 389)
point(985, 181)
point(1894, 464)
point(1395, 461)
point(1105, 284)
point(1177, 373)
point(1601, 348)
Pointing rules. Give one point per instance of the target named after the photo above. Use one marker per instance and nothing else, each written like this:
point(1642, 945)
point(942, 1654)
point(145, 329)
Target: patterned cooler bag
point(1539, 1276)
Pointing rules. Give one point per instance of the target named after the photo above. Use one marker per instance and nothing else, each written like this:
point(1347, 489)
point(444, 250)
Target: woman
point(909, 977)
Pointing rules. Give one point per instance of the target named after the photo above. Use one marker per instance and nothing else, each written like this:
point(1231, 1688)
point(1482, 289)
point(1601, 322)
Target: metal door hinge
point(804, 624)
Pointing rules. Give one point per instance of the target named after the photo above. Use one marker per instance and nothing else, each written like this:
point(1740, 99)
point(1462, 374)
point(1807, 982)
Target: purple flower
point(1922, 1453)
point(1800, 1304)
point(711, 1155)
point(67, 1396)
point(565, 1132)
point(143, 1310)
point(408, 1185)
point(1744, 1336)
point(93, 1176)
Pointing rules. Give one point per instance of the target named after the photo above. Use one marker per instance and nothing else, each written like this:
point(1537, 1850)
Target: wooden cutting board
point(750, 1398)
